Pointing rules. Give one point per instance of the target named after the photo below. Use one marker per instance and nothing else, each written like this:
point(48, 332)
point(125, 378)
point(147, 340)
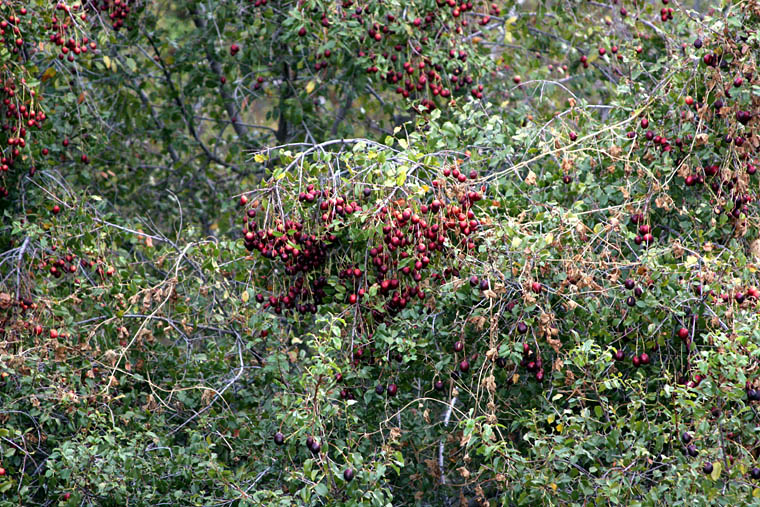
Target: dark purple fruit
point(279, 438)
point(348, 474)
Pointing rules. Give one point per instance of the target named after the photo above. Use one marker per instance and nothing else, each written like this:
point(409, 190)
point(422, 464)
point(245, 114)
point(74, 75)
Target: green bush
point(240, 267)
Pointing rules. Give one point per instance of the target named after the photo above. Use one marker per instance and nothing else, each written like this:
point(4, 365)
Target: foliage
point(251, 257)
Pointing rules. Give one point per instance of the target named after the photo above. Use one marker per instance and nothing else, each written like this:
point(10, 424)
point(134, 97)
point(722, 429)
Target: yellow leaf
point(310, 87)
point(756, 492)
point(717, 467)
point(550, 419)
point(553, 486)
point(107, 61)
point(50, 72)
point(549, 238)
point(245, 296)
point(559, 428)
point(691, 260)
point(259, 158)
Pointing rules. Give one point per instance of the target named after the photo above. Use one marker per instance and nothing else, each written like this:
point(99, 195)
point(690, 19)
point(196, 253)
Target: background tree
point(378, 253)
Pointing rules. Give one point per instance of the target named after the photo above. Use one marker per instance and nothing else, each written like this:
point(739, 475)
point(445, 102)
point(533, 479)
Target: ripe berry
point(279, 438)
point(685, 437)
point(348, 475)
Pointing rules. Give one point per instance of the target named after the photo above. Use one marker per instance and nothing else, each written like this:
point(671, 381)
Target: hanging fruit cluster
point(397, 46)
point(375, 252)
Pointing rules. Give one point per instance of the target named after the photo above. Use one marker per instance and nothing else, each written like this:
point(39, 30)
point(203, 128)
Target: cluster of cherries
point(117, 10)
point(644, 235)
point(10, 33)
point(427, 74)
point(411, 235)
point(64, 35)
point(531, 360)
point(19, 117)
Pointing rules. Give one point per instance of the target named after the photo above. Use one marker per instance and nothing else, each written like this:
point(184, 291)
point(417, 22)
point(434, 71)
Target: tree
point(424, 253)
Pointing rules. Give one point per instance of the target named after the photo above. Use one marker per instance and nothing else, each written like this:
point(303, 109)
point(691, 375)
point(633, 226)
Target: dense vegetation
point(263, 252)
